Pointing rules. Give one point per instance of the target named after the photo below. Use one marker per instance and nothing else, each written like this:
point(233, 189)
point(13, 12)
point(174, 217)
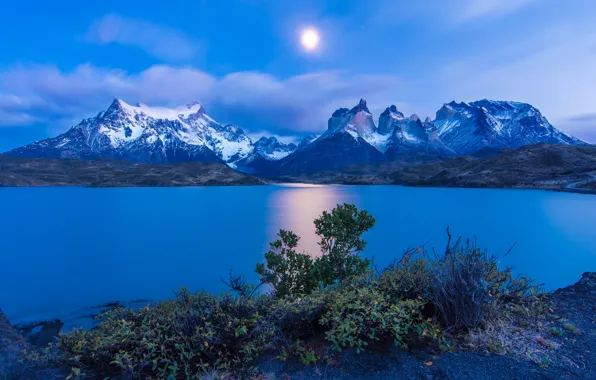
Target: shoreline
point(575, 304)
point(315, 184)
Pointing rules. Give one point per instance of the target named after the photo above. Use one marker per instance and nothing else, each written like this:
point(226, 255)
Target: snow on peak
point(160, 113)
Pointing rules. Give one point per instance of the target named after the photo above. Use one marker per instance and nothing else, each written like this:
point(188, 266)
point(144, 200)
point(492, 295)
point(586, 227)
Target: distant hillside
point(110, 173)
point(541, 166)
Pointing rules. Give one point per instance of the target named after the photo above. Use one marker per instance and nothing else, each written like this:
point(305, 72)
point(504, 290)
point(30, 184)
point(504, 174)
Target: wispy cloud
point(476, 9)
point(158, 41)
point(253, 100)
point(584, 126)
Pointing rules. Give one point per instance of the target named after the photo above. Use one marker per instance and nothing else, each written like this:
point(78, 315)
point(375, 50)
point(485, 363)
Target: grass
point(571, 328)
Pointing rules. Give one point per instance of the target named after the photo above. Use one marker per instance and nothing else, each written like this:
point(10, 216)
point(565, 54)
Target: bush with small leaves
point(410, 278)
point(175, 338)
point(287, 271)
point(298, 274)
point(361, 316)
point(341, 233)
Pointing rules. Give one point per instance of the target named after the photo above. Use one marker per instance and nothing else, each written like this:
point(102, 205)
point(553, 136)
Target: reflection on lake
point(295, 207)
point(67, 249)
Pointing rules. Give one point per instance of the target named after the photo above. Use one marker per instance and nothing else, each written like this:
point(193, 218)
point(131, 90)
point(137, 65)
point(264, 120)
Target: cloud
point(584, 126)
point(254, 100)
point(158, 41)
point(255, 136)
point(476, 9)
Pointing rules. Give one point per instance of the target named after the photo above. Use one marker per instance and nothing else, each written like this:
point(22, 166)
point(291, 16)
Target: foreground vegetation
point(316, 307)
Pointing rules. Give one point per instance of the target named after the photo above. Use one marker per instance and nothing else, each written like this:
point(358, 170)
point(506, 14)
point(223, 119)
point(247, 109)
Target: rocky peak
point(115, 108)
point(392, 110)
point(360, 107)
point(446, 111)
point(193, 103)
point(263, 141)
point(340, 112)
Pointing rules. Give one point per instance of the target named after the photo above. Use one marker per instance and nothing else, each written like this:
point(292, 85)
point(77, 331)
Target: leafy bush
point(298, 274)
point(410, 278)
point(288, 272)
point(341, 240)
point(363, 315)
point(175, 338)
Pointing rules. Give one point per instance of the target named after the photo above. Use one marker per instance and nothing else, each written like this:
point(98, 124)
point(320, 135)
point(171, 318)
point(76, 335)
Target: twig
point(448, 248)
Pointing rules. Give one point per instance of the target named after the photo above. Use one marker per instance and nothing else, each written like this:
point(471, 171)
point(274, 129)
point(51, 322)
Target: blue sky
point(65, 60)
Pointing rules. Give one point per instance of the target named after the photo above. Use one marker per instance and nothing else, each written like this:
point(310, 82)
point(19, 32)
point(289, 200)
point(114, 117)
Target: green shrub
point(298, 274)
point(410, 278)
point(176, 338)
point(341, 240)
point(288, 272)
point(363, 315)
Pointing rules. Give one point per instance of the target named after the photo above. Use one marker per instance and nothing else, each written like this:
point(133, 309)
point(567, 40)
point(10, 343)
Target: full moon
point(310, 39)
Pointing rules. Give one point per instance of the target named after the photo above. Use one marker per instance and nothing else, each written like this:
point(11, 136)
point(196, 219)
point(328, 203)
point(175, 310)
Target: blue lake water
point(64, 250)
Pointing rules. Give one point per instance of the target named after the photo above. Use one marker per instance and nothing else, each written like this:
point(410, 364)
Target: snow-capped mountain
point(170, 135)
point(469, 127)
point(147, 134)
point(273, 149)
point(408, 136)
point(265, 152)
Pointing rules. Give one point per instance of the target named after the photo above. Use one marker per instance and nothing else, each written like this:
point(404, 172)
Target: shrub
point(410, 278)
point(341, 239)
point(363, 315)
point(468, 288)
point(175, 338)
point(288, 272)
point(298, 274)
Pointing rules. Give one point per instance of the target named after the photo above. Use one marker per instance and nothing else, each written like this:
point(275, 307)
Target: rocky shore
point(574, 357)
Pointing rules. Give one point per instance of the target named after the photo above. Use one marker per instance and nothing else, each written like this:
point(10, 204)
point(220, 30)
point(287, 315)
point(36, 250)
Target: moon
point(310, 39)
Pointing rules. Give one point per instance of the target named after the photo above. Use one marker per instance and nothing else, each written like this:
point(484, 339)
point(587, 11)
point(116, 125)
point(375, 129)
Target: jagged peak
point(414, 117)
point(340, 112)
point(267, 140)
point(118, 105)
point(360, 107)
point(428, 120)
point(192, 104)
point(392, 110)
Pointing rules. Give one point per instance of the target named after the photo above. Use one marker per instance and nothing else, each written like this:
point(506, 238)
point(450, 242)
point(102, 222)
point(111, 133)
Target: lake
point(65, 250)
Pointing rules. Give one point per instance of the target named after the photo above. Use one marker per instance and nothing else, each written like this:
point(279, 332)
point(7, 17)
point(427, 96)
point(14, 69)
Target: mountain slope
point(541, 166)
point(335, 151)
point(146, 134)
point(345, 142)
point(469, 127)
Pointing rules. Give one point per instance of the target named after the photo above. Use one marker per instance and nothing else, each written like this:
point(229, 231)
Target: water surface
point(66, 249)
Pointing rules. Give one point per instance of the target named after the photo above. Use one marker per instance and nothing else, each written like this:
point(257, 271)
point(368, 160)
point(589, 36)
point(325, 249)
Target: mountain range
point(187, 134)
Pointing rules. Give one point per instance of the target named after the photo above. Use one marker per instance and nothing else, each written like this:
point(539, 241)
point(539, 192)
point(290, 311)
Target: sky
point(65, 60)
